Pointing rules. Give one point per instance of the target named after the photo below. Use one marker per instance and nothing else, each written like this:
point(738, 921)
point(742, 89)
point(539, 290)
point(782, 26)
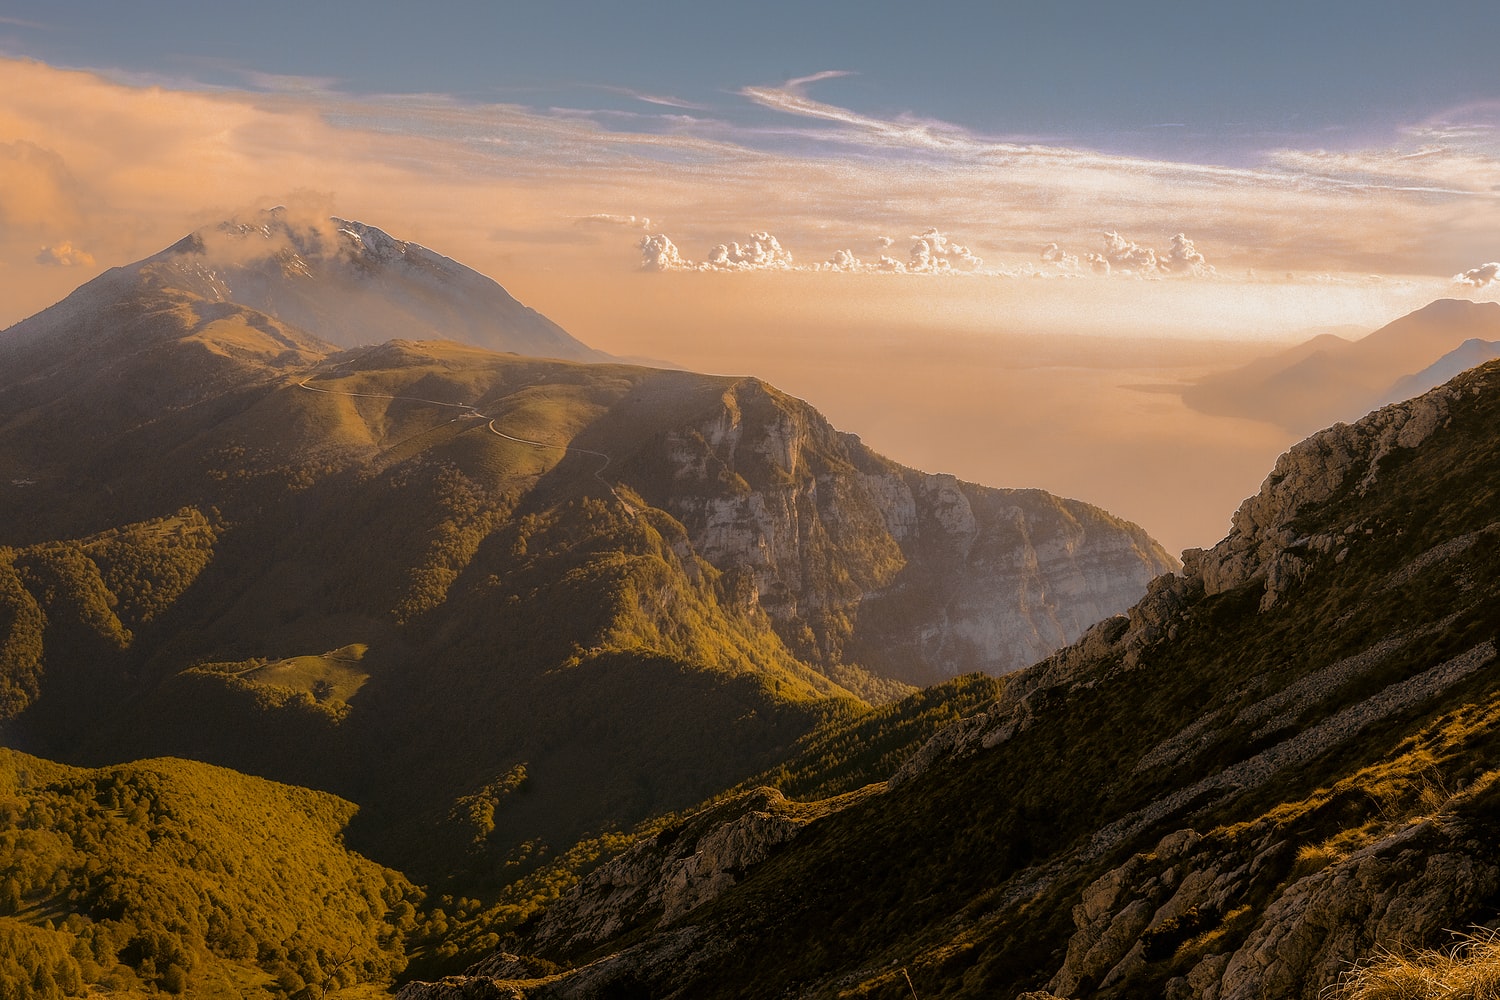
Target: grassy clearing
point(331, 676)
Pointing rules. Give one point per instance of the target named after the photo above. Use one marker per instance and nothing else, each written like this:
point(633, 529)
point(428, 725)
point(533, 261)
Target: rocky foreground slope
point(1282, 762)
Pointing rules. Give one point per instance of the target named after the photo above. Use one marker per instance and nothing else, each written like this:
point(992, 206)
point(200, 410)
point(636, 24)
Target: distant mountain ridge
point(1329, 379)
point(1470, 354)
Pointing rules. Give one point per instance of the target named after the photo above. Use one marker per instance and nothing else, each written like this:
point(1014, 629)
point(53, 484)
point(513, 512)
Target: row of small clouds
point(934, 252)
point(931, 252)
point(1480, 277)
point(1123, 256)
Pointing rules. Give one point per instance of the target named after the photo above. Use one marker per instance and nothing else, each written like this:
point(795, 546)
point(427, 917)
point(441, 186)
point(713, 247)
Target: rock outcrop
point(664, 878)
point(1264, 541)
point(462, 988)
point(1406, 887)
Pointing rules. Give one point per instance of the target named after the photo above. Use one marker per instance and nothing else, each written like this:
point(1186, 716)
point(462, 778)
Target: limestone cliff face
point(859, 560)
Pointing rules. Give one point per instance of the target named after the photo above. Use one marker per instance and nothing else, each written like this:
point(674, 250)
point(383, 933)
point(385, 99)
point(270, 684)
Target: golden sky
point(95, 172)
point(832, 250)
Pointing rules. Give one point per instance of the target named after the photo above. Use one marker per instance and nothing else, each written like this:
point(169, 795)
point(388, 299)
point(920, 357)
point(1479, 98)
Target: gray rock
point(461, 988)
point(1261, 543)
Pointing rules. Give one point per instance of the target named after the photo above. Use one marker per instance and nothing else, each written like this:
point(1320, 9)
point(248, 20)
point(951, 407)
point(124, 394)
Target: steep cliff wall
point(859, 560)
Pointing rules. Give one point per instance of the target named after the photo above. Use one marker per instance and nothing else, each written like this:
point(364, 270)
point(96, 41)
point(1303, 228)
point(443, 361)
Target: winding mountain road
point(471, 412)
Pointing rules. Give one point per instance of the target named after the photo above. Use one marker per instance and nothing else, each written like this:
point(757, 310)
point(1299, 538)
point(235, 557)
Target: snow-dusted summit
point(353, 284)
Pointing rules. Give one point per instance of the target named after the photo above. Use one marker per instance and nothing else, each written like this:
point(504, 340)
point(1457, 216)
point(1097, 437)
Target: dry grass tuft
point(1468, 971)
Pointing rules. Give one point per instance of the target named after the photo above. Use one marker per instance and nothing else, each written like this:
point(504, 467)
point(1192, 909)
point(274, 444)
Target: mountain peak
point(352, 284)
point(1442, 308)
point(310, 238)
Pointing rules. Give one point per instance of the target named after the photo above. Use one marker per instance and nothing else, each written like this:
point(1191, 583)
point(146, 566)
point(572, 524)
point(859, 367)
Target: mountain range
point(1329, 379)
point(497, 602)
point(331, 662)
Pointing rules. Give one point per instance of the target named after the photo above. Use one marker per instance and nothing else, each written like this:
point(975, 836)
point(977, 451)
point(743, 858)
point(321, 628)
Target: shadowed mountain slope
point(1279, 763)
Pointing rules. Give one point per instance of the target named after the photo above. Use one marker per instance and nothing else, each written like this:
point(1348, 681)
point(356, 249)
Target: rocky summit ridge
point(353, 284)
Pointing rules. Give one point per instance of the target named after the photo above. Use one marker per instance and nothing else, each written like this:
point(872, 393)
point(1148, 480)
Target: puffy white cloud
point(64, 255)
point(1123, 256)
point(762, 252)
point(1184, 258)
point(933, 251)
point(1127, 255)
point(658, 253)
point(842, 260)
point(1054, 254)
point(1481, 276)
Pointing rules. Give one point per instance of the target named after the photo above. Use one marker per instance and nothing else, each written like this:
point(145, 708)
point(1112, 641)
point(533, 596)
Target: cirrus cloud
point(623, 221)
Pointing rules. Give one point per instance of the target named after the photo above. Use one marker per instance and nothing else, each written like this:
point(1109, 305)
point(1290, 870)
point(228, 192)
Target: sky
point(831, 195)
